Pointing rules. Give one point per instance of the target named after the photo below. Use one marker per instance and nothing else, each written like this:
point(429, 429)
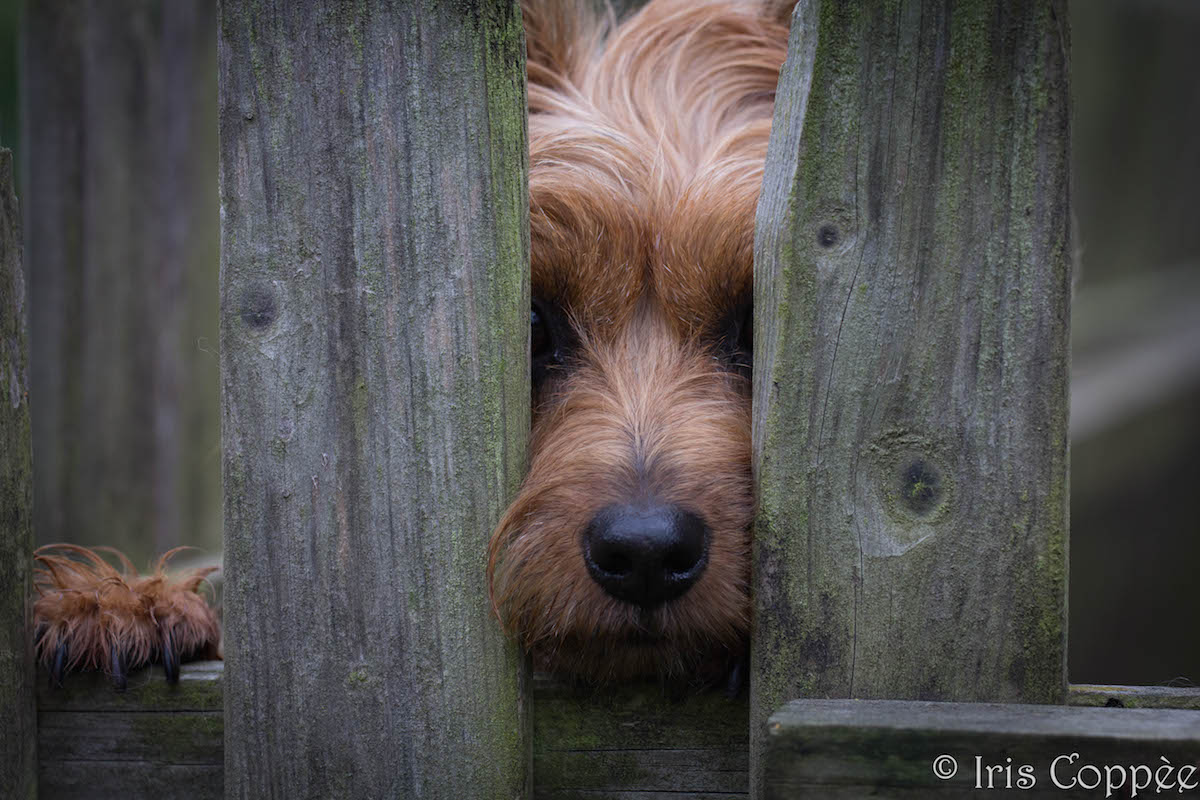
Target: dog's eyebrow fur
point(646, 149)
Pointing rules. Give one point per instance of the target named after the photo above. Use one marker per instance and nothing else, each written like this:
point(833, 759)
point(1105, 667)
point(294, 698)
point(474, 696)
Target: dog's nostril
point(681, 559)
point(645, 554)
point(611, 558)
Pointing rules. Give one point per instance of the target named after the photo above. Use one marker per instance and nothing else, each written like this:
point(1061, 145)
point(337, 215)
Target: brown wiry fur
point(89, 615)
point(647, 143)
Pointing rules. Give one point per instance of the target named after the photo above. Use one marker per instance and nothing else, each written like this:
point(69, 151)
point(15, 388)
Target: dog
point(626, 553)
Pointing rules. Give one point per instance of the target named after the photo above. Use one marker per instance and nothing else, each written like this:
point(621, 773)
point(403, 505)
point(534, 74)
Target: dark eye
point(746, 333)
point(549, 339)
point(540, 345)
point(736, 338)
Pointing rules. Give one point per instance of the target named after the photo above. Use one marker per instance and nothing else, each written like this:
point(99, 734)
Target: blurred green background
point(111, 110)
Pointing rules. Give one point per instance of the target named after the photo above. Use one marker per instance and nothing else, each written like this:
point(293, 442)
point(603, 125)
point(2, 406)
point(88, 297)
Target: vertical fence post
point(375, 382)
point(18, 731)
point(911, 368)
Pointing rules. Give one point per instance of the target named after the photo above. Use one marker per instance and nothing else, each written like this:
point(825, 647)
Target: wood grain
point(913, 272)
point(883, 748)
point(18, 725)
point(1134, 696)
point(636, 741)
point(155, 740)
point(375, 379)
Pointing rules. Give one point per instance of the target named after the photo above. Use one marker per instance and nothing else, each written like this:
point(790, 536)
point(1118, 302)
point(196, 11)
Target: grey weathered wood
point(121, 249)
point(1134, 696)
point(631, 742)
point(155, 740)
point(200, 688)
point(133, 780)
point(179, 737)
point(637, 740)
point(883, 748)
point(911, 366)
point(375, 379)
point(18, 725)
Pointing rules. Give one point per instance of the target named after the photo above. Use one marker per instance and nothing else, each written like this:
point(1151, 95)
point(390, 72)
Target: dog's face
point(627, 550)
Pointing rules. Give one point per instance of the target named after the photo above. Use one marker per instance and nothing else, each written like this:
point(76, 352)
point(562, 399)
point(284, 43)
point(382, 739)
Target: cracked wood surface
point(375, 394)
point(912, 295)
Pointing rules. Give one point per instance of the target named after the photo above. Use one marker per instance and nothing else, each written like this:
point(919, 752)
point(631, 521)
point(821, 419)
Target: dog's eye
point(552, 341)
point(736, 338)
point(746, 333)
point(540, 345)
point(547, 340)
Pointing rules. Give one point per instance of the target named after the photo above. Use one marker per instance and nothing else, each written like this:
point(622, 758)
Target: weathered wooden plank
point(155, 740)
point(18, 724)
point(1134, 696)
point(121, 246)
point(172, 737)
point(607, 794)
point(884, 748)
point(912, 294)
point(636, 739)
point(200, 688)
point(375, 374)
point(89, 780)
point(633, 742)
point(663, 769)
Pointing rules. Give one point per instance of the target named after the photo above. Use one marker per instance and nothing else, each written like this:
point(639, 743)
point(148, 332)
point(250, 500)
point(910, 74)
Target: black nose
point(645, 554)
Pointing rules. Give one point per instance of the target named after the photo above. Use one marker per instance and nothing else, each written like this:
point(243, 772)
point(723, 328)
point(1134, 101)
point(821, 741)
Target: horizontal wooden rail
point(1135, 696)
point(165, 742)
point(154, 740)
point(897, 748)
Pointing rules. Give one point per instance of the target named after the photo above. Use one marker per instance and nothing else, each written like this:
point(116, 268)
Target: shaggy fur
point(89, 615)
point(647, 143)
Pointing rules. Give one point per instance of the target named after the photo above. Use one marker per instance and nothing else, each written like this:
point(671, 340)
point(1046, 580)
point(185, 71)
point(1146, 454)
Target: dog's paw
point(89, 615)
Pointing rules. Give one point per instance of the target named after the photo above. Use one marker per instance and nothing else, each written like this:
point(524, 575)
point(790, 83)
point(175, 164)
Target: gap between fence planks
point(121, 247)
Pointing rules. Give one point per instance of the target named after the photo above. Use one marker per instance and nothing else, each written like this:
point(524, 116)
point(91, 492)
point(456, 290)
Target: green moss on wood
point(910, 402)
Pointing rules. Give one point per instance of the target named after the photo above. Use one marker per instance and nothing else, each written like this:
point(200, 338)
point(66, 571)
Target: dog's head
point(627, 550)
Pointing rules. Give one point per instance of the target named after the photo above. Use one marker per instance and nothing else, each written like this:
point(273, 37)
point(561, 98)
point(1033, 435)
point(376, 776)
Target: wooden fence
point(911, 383)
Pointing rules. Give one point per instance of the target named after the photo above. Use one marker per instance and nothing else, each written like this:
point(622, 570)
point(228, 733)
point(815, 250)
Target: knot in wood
point(920, 486)
point(258, 307)
point(827, 235)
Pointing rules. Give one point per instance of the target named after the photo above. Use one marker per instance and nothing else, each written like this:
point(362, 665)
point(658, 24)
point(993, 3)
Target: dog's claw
point(118, 668)
point(60, 661)
point(170, 655)
point(737, 679)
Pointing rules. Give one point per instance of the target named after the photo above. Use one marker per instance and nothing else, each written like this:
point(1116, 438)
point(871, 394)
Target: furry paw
point(88, 615)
